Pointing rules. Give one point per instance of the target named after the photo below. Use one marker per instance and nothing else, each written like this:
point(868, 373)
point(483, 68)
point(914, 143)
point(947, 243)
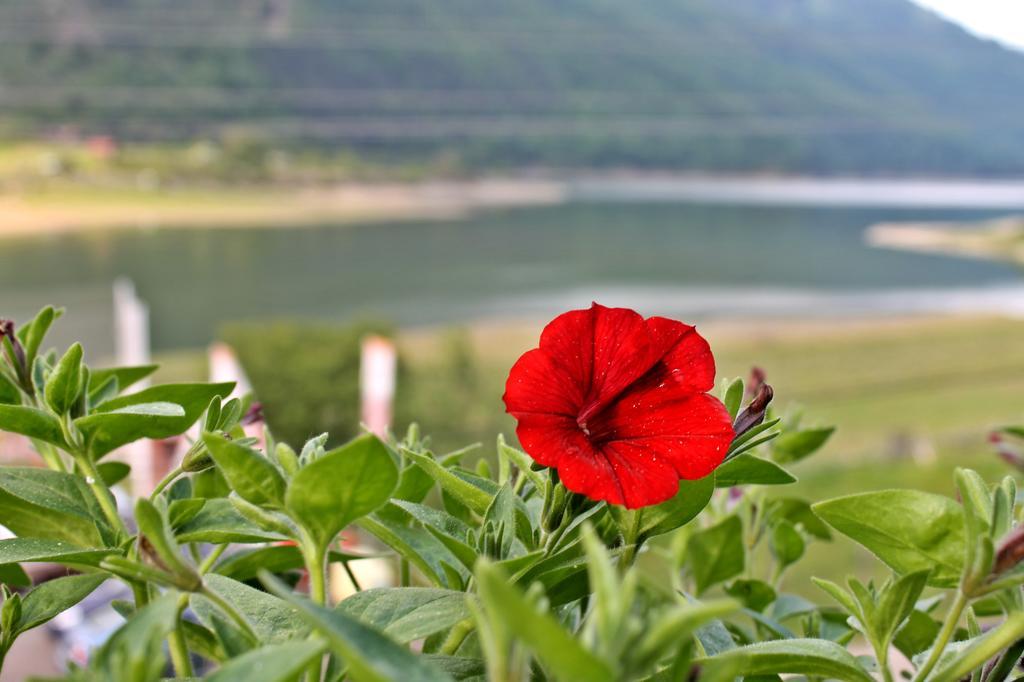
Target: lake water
point(684, 259)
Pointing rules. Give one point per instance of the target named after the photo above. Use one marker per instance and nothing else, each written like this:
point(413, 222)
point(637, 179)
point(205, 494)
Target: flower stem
point(456, 637)
point(166, 481)
point(102, 493)
point(176, 643)
point(948, 628)
point(630, 538)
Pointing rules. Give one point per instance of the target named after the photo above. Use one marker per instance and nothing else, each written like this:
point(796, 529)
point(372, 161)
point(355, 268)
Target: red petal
point(552, 439)
point(691, 432)
point(537, 385)
point(684, 353)
point(604, 350)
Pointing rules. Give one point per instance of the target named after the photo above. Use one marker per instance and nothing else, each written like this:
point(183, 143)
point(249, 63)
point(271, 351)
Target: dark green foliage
point(795, 85)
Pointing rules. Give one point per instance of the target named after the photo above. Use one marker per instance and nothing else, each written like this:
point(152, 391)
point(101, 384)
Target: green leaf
point(135, 651)
point(840, 595)
point(248, 472)
point(125, 376)
point(32, 422)
point(786, 543)
point(407, 613)
point(907, 529)
point(716, 554)
point(522, 461)
point(370, 655)
point(459, 667)
point(798, 512)
point(9, 392)
point(17, 550)
point(244, 565)
point(32, 334)
point(692, 498)
point(812, 657)
point(896, 602)
point(277, 663)
point(113, 473)
point(56, 596)
point(52, 505)
point(753, 594)
point(273, 620)
point(975, 654)
point(560, 652)
point(65, 381)
point(734, 397)
point(342, 486)
point(219, 522)
point(153, 529)
point(111, 425)
point(750, 470)
point(917, 634)
point(424, 551)
point(677, 625)
point(796, 445)
point(465, 492)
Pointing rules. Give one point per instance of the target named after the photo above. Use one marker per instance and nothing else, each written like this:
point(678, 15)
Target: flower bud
point(754, 413)
point(197, 458)
point(1010, 551)
point(16, 355)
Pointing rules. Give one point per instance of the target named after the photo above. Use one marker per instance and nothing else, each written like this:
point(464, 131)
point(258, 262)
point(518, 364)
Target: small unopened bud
point(754, 413)
point(15, 354)
point(1007, 452)
point(1010, 552)
point(253, 415)
point(197, 459)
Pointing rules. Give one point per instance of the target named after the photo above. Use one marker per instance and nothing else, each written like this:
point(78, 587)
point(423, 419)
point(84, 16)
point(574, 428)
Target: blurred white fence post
point(131, 346)
point(224, 367)
point(377, 366)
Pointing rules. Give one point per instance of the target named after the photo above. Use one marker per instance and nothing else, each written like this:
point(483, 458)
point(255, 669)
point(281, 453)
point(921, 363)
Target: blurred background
point(828, 188)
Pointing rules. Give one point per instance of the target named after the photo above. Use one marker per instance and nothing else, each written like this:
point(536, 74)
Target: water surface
point(663, 257)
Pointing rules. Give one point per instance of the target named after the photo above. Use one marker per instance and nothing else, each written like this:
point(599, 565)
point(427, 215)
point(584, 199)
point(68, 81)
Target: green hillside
point(827, 86)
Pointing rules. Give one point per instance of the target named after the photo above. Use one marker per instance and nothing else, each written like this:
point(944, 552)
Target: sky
point(1002, 20)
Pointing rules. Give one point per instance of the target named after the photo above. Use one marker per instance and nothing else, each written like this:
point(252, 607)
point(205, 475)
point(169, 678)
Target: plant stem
point(103, 495)
point(179, 653)
point(211, 559)
point(405, 579)
point(948, 628)
point(165, 481)
point(630, 540)
point(315, 566)
point(351, 576)
point(456, 637)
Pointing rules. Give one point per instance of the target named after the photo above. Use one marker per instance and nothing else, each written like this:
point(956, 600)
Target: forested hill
point(814, 86)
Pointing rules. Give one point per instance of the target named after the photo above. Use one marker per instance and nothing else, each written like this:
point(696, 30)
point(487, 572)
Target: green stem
point(211, 559)
point(456, 637)
point(102, 492)
point(405, 578)
point(351, 576)
point(882, 654)
point(176, 643)
point(165, 481)
point(630, 540)
point(948, 628)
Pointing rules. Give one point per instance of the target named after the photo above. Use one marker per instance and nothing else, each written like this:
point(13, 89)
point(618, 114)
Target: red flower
point(619, 405)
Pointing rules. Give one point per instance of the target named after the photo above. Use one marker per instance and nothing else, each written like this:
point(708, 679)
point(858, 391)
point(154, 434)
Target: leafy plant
point(504, 572)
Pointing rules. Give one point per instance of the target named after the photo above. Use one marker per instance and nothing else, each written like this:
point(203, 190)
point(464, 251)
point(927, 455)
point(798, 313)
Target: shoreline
point(80, 209)
point(1001, 239)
